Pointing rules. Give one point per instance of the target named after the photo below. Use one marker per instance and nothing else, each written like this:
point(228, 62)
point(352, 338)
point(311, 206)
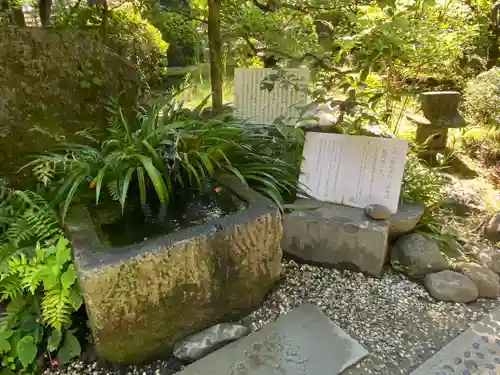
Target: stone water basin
point(144, 297)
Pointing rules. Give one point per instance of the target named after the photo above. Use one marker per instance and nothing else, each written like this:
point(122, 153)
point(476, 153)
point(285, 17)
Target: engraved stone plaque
point(353, 170)
point(260, 106)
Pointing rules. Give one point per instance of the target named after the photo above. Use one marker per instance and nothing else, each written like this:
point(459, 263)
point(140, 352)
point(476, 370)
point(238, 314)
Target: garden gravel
point(392, 317)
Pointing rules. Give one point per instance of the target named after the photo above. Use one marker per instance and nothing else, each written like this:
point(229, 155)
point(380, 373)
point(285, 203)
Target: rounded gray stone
point(487, 281)
point(405, 220)
point(489, 258)
point(416, 256)
point(378, 212)
point(451, 286)
point(205, 342)
point(492, 229)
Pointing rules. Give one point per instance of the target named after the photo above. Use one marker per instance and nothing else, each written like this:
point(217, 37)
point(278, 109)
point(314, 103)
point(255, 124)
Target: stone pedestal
point(440, 113)
point(342, 236)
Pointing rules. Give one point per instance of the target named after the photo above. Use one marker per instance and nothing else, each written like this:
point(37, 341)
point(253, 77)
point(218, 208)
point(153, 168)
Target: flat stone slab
point(474, 352)
point(302, 342)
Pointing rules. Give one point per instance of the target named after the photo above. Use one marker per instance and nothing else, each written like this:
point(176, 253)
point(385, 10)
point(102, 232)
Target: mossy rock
point(58, 80)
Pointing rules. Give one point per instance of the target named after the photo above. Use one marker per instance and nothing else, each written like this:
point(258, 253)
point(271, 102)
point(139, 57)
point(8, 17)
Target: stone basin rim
point(91, 253)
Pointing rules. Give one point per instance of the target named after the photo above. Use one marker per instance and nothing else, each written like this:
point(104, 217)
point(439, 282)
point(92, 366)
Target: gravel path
point(393, 318)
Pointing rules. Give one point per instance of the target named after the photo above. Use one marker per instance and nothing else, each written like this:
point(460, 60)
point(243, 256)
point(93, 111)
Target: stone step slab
point(302, 342)
point(475, 352)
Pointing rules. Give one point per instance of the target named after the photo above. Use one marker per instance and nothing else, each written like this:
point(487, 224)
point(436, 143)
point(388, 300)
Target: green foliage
point(127, 33)
point(168, 149)
point(425, 185)
point(42, 294)
point(25, 218)
point(482, 99)
point(421, 184)
point(37, 283)
point(184, 42)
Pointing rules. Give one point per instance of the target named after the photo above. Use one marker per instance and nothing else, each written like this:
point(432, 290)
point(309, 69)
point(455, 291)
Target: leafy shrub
point(127, 33)
point(37, 281)
point(421, 185)
point(181, 35)
point(168, 149)
point(425, 185)
point(482, 99)
point(58, 78)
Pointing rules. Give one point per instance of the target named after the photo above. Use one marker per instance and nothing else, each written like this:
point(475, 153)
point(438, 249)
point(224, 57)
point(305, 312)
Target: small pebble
point(378, 212)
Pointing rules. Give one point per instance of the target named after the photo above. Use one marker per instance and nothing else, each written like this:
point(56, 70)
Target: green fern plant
point(37, 282)
point(41, 294)
point(25, 218)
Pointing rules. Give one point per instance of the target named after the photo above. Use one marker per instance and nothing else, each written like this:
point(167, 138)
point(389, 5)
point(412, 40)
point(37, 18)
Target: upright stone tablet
point(261, 106)
point(355, 171)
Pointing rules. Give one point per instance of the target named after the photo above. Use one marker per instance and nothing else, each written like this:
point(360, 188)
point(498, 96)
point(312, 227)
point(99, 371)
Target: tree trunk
point(45, 8)
point(494, 35)
point(494, 50)
point(215, 44)
point(17, 15)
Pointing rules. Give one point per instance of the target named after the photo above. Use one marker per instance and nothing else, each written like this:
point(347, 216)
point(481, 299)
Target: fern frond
point(114, 188)
point(10, 288)
point(56, 307)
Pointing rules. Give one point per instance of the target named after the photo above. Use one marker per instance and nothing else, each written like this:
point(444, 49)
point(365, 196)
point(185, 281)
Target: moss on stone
point(140, 307)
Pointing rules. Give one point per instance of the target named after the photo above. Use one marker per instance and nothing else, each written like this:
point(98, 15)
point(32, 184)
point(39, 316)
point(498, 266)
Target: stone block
point(142, 298)
point(304, 341)
point(336, 235)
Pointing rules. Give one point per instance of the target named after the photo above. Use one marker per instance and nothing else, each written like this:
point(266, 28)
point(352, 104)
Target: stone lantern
point(440, 113)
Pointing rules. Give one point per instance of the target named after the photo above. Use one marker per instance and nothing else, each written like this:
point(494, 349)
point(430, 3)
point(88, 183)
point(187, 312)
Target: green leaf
point(63, 253)
point(155, 176)
point(76, 184)
point(125, 185)
point(156, 157)
point(7, 372)
point(68, 277)
point(26, 350)
point(71, 348)
point(4, 345)
point(142, 186)
point(98, 180)
point(125, 125)
point(54, 340)
point(76, 299)
point(6, 333)
point(50, 279)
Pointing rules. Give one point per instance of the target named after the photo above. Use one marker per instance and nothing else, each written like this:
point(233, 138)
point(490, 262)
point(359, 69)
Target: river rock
point(205, 342)
point(405, 220)
point(378, 212)
point(487, 281)
point(417, 256)
point(492, 229)
point(451, 286)
point(489, 258)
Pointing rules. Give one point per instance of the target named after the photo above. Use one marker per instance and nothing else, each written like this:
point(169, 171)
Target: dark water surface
point(182, 212)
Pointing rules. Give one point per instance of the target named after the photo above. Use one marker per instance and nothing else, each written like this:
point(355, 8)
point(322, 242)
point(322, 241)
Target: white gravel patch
point(392, 317)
